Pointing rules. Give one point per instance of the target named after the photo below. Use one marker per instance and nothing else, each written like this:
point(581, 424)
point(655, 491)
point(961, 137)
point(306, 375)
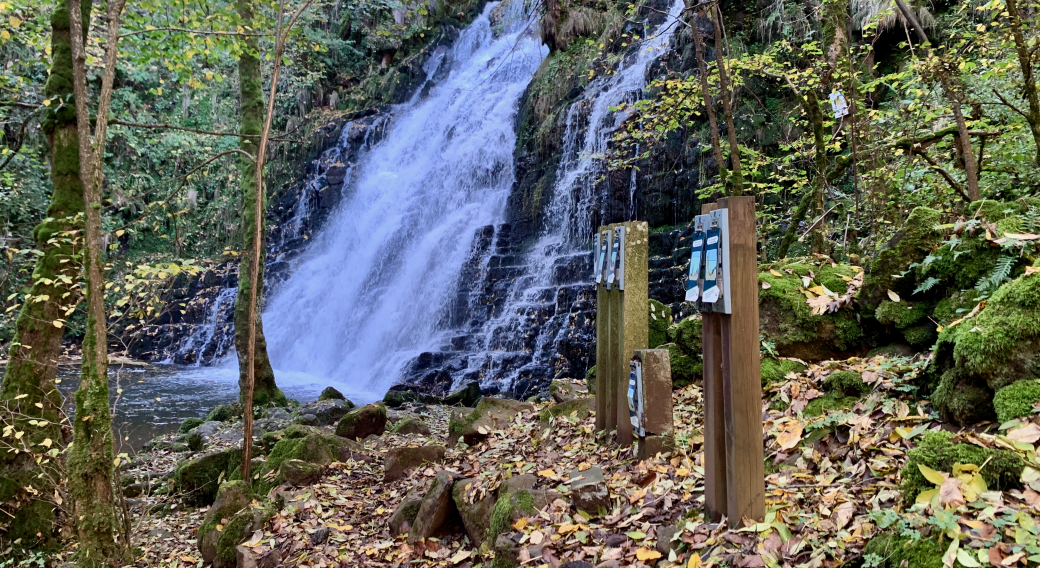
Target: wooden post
point(714, 425)
point(741, 369)
point(602, 369)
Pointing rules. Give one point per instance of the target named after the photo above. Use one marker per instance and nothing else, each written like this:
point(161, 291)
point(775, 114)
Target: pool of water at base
point(152, 400)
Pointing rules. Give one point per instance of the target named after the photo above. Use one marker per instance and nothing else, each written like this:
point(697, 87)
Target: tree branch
point(186, 129)
point(1008, 104)
point(942, 171)
point(187, 31)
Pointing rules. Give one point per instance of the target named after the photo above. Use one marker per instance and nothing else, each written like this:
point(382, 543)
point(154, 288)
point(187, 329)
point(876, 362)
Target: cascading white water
point(568, 229)
point(367, 295)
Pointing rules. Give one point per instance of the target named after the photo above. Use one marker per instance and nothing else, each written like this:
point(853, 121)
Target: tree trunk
point(1028, 81)
point(36, 346)
point(709, 105)
point(970, 174)
point(814, 200)
point(265, 391)
point(737, 179)
point(90, 462)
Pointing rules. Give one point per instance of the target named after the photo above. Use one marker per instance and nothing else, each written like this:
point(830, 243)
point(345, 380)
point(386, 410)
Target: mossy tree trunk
point(30, 372)
point(1029, 89)
point(736, 178)
point(265, 391)
point(90, 463)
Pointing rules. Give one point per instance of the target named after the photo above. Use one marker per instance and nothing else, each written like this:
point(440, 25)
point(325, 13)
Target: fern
point(1001, 271)
point(1031, 220)
point(926, 285)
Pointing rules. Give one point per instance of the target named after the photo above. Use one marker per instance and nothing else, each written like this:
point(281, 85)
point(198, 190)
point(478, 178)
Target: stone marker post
point(657, 420)
point(621, 323)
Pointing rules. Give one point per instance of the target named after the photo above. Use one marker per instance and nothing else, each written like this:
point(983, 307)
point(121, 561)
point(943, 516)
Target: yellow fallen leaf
point(931, 475)
point(255, 540)
point(520, 524)
point(1032, 269)
point(548, 473)
point(644, 554)
point(695, 561)
point(460, 556)
point(790, 434)
point(188, 559)
point(776, 273)
point(893, 296)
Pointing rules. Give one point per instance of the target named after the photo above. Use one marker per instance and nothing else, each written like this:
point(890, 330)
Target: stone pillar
point(657, 402)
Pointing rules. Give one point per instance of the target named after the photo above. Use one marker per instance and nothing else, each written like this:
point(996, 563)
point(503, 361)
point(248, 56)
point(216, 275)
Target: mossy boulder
point(475, 513)
point(467, 395)
point(399, 460)
point(659, 320)
point(517, 498)
point(330, 393)
point(787, 321)
point(490, 414)
point(919, 236)
point(232, 497)
point(317, 448)
point(563, 390)
point(298, 473)
point(399, 395)
point(937, 450)
point(775, 370)
point(199, 478)
point(686, 369)
point(1016, 400)
point(225, 412)
point(590, 379)
point(189, 424)
point(963, 402)
point(846, 383)
point(404, 515)
point(437, 511)
point(686, 334)
point(410, 425)
point(194, 441)
point(578, 409)
point(827, 403)
point(363, 422)
point(998, 346)
point(897, 551)
point(238, 530)
point(900, 314)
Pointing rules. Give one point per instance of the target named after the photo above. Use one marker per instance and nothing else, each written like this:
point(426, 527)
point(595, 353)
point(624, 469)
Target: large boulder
point(410, 425)
point(787, 321)
point(564, 390)
point(232, 497)
point(298, 473)
point(686, 335)
point(517, 498)
point(467, 395)
point(577, 409)
point(474, 508)
point(490, 414)
point(314, 447)
point(238, 530)
point(363, 422)
point(199, 478)
point(331, 394)
point(327, 411)
point(399, 460)
point(996, 347)
point(437, 511)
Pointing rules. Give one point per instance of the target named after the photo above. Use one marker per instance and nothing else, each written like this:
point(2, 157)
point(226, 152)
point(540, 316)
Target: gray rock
point(490, 414)
point(400, 460)
point(195, 442)
point(664, 539)
point(437, 509)
point(326, 411)
point(362, 422)
point(476, 515)
point(404, 515)
point(577, 564)
point(247, 557)
point(307, 420)
point(321, 535)
point(277, 413)
point(464, 396)
point(232, 498)
point(589, 491)
point(298, 473)
point(411, 425)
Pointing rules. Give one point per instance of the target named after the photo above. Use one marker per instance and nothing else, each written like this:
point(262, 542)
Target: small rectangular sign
point(711, 266)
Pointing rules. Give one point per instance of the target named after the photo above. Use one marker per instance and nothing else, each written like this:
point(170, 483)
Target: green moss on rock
point(899, 551)
point(827, 403)
point(916, 240)
point(846, 383)
point(580, 408)
point(506, 509)
point(659, 320)
point(899, 314)
point(225, 412)
point(685, 369)
point(937, 450)
point(189, 424)
point(775, 370)
point(961, 400)
point(687, 335)
point(1016, 400)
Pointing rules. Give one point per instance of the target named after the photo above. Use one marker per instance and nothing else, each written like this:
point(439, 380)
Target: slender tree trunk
point(264, 390)
point(968, 154)
point(1028, 81)
point(36, 346)
point(90, 463)
point(737, 178)
point(709, 104)
point(812, 202)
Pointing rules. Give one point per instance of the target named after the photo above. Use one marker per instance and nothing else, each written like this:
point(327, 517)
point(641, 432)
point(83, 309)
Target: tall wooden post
point(603, 381)
point(733, 448)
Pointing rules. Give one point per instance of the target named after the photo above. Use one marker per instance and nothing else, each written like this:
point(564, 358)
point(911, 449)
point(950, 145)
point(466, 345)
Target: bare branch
point(192, 130)
point(191, 32)
point(1008, 104)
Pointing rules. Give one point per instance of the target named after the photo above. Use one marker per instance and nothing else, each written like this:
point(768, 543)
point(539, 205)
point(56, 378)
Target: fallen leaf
point(893, 296)
point(950, 493)
point(644, 554)
point(766, 285)
point(255, 540)
point(1028, 434)
point(790, 434)
point(537, 537)
point(936, 477)
point(460, 556)
point(843, 514)
point(951, 554)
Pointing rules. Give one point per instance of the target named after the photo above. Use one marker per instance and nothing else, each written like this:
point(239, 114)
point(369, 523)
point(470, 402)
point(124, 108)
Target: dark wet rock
point(468, 395)
point(404, 515)
point(399, 460)
point(409, 425)
point(589, 491)
point(437, 511)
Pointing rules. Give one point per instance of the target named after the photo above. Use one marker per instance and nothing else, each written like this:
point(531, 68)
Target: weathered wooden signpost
point(725, 282)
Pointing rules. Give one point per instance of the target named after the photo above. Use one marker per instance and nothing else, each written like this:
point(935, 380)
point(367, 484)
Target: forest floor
point(833, 482)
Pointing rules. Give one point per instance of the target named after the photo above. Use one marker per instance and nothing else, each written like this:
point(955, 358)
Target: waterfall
point(367, 295)
point(521, 347)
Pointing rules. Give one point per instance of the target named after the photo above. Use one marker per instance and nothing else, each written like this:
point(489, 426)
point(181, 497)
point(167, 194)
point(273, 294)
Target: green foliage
point(938, 451)
point(189, 424)
point(899, 314)
point(775, 370)
point(827, 403)
point(1016, 400)
point(660, 318)
point(889, 550)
